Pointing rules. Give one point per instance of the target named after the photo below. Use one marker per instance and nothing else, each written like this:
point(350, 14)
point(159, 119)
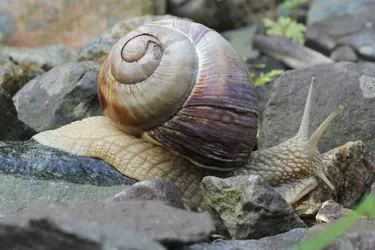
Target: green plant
point(290, 4)
point(287, 27)
point(265, 77)
point(321, 240)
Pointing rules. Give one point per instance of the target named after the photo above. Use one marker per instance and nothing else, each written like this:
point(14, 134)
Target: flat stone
point(167, 225)
point(249, 207)
point(17, 192)
point(331, 211)
point(153, 189)
point(294, 55)
point(287, 240)
point(31, 159)
point(343, 54)
point(241, 40)
point(355, 30)
point(64, 94)
point(60, 234)
point(323, 9)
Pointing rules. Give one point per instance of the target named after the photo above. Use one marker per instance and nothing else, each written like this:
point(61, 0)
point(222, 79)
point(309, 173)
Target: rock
point(153, 189)
point(45, 57)
point(322, 9)
point(241, 40)
point(355, 30)
point(343, 54)
point(331, 211)
point(167, 225)
point(31, 159)
point(124, 26)
point(286, 240)
point(14, 76)
point(64, 94)
point(349, 84)
point(248, 207)
point(19, 191)
point(219, 15)
point(293, 55)
point(7, 25)
point(359, 236)
point(96, 49)
point(55, 233)
point(10, 127)
point(351, 169)
point(373, 189)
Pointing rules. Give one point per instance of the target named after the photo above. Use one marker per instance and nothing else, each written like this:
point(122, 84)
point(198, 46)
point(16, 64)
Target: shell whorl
point(182, 85)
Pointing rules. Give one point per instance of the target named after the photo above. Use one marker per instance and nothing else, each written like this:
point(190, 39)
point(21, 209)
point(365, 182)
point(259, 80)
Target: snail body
point(179, 104)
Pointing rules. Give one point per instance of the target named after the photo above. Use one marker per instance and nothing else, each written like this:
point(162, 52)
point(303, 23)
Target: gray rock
point(96, 49)
point(60, 234)
point(66, 93)
point(45, 57)
point(10, 127)
point(14, 76)
point(31, 159)
point(359, 236)
point(7, 25)
point(249, 207)
point(293, 55)
point(167, 225)
point(219, 15)
point(286, 240)
point(344, 54)
point(351, 170)
point(153, 189)
point(17, 192)
point(241, 40)
point(355, 30)
point(349, 84)
point(323, 9)
point(331, 211)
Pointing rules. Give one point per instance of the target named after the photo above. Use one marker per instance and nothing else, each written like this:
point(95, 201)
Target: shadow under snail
point(179, 104)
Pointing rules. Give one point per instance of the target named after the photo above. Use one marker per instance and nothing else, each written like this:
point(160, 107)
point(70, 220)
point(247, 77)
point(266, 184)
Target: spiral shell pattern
point(183, 86)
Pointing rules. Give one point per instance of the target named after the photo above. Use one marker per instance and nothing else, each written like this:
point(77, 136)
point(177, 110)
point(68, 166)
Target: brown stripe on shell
point(217, 124)
point(213, 137)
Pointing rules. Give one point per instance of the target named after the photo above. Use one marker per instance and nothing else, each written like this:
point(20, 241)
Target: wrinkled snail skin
point(182, 113)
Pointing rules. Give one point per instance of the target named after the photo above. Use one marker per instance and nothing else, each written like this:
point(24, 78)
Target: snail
point(179, 104)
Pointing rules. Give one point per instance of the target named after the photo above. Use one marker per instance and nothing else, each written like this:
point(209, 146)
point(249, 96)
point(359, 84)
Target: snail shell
point(181, 85)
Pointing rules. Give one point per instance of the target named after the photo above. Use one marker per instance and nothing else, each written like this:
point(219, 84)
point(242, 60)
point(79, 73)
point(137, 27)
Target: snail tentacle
point(293, 165)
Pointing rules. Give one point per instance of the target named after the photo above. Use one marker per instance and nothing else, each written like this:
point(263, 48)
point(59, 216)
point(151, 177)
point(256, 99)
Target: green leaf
point(268, 22)
point(265, 78)
point(290, 4)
